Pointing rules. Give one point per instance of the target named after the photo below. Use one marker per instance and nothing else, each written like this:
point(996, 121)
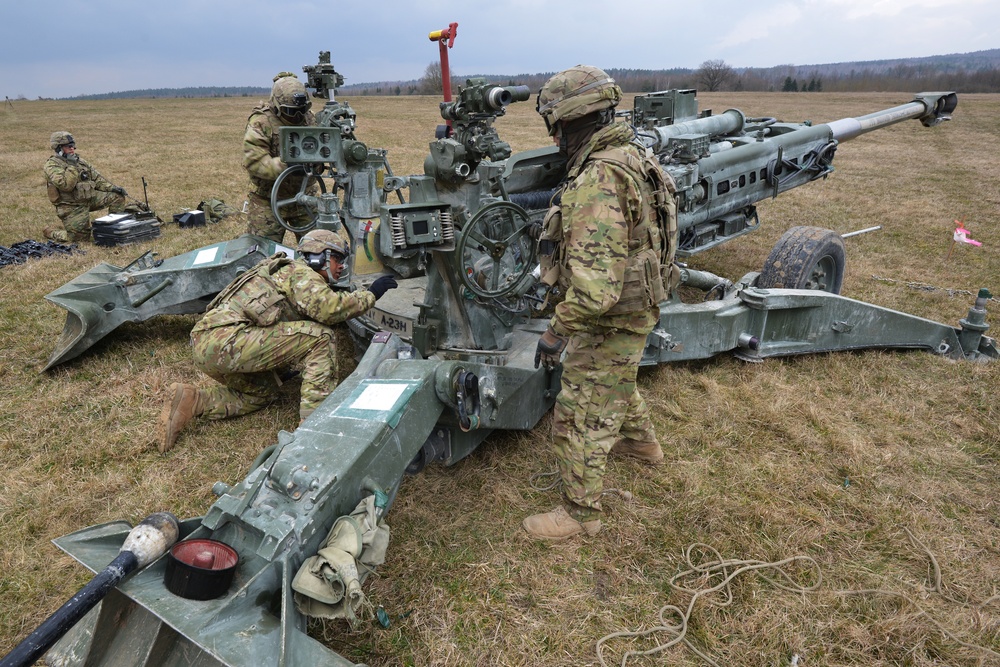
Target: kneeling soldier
point(271, 318)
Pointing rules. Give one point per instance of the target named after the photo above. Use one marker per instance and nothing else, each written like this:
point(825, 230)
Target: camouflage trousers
point(598, 404)
point(261, 220)
point(76, 217)
point(246, 361)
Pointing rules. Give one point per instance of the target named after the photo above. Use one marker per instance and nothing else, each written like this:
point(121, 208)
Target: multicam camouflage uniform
point(261, 159)
point(610, 258)
point(271, 318)
point(76, 189)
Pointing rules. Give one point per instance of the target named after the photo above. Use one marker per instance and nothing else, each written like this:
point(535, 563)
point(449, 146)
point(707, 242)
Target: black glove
point(382, 285)
point(119, 190)
point(84, 175)
point(549, 349)
point(535, 230)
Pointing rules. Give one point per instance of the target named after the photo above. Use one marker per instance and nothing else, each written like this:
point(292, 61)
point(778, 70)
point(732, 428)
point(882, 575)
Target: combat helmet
point(574, 93)
point(289, 98)
point(60, 138)
point(316, 248)
point(320, 240)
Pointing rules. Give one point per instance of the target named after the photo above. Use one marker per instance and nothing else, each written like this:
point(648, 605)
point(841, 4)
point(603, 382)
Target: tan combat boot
point(56, 234)
point(558, 525)
point(649, 452)
point(184, 403)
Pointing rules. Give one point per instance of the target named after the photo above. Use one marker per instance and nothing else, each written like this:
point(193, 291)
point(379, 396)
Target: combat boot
point(184, 403)
point(558, 525)
point(649, 452)
point(56, 234)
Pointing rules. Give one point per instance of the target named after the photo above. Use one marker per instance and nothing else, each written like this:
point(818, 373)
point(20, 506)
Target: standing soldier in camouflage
point(270, 319)
point(76, 189)
point(289, 105)
point(603, 249)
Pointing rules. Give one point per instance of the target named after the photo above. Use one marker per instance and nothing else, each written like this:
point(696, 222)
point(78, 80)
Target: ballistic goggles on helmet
point(60, 139)
point(298, 107)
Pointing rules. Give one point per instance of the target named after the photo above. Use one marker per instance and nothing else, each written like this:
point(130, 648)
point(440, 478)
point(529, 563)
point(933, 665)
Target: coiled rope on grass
point(726, 570)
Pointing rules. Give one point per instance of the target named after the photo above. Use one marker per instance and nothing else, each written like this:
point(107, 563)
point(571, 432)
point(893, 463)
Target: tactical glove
point(382, 285)
point(119, 190)
point(535, 230)
point(550, 348)
point(84, 175)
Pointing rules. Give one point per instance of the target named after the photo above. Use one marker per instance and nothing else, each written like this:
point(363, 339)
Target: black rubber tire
point(806, 258)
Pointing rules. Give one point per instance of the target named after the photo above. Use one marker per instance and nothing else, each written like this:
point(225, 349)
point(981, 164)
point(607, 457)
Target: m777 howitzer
point(449, 358)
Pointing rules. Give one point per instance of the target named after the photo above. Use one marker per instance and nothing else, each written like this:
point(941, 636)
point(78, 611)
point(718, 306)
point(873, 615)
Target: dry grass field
point(883, 468)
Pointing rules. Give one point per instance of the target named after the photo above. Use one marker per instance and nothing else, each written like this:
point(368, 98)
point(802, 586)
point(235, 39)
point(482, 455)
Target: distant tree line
point(194, 91)
point(976, 72)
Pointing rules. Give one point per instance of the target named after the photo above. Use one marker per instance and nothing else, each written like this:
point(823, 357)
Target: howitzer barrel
point(929, 108)
point(723, 165)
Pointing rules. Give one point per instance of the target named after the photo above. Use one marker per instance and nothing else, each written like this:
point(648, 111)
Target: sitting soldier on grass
point(75, 188)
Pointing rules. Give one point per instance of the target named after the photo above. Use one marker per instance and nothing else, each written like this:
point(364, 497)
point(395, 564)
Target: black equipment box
point(190, 219)
point(123, 228)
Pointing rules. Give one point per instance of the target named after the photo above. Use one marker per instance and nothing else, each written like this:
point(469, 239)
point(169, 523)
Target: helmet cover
point(574, 93)
point(288, 97)
point(60, 138)
point(320, 240)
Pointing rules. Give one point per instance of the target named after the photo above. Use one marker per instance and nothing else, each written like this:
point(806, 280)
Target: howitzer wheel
point(806, 258)
point(301, 198)
point(494, 250)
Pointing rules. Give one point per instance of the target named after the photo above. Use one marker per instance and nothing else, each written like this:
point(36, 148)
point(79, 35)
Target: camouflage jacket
point(282, 290)
point(73, 182)
point(606, 218)
point(262, 150)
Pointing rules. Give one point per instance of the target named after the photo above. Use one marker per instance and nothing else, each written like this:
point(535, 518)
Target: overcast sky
point(60, 48)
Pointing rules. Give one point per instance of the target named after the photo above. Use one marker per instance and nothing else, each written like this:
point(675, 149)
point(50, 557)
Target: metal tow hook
point(467, 397)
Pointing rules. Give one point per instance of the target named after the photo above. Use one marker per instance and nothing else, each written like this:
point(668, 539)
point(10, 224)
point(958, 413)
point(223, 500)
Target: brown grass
point(832, 457)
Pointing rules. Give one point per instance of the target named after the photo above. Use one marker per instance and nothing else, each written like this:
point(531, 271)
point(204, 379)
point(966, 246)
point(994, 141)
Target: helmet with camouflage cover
point(574, 93)
point(289, 98)
point(60, 138)
point(324, 252)
point(321, 240)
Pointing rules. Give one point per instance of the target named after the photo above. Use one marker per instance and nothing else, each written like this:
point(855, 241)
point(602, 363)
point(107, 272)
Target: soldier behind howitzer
point(76, 189)
point(269, 320)
point(607, 255)
point(289, 105)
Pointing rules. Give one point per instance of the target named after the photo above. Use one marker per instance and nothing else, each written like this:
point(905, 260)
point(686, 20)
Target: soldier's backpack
point(216, 209)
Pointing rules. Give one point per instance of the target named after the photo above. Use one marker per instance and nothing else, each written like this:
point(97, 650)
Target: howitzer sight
point(322, 77)
point(479, 100)
point(471, 138)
